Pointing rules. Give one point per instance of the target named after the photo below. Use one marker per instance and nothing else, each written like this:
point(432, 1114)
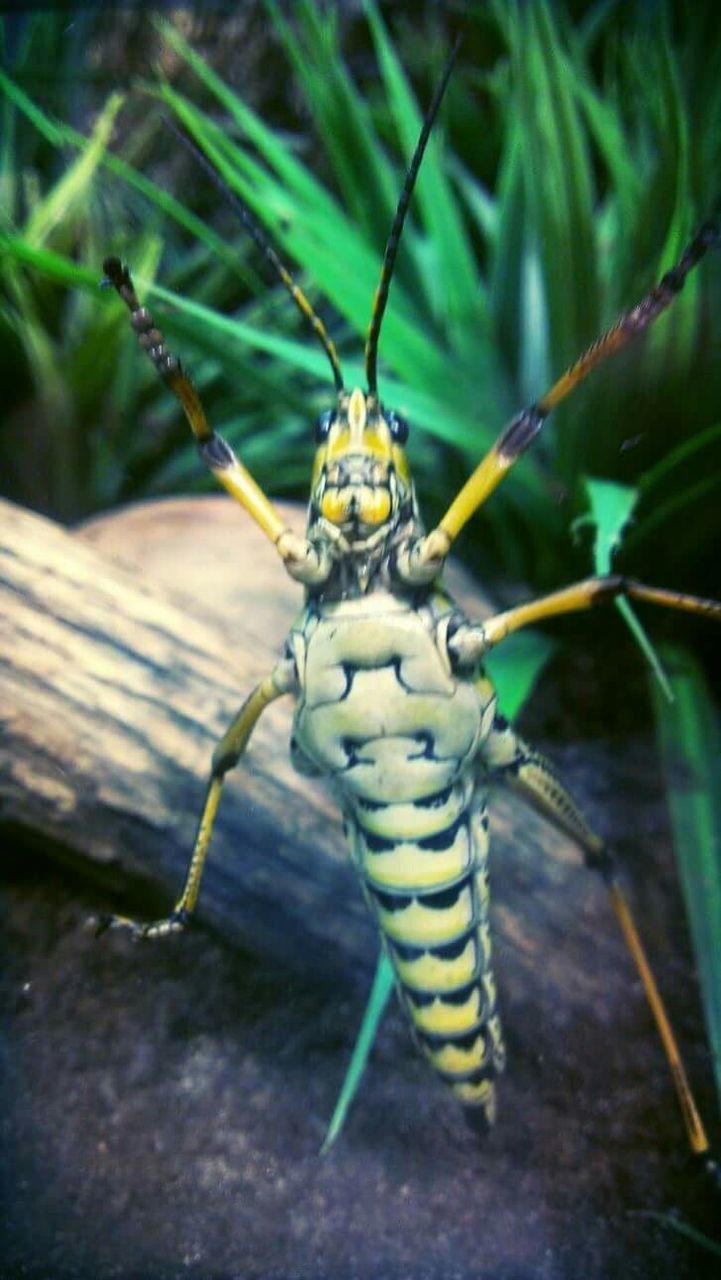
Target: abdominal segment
point(424, 868)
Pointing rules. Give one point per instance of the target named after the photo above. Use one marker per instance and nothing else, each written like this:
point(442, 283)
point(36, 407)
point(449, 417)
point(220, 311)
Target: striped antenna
point(267, 250)
point(391, 249)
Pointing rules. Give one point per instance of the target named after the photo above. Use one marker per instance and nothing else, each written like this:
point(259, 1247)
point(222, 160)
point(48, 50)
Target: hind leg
point(513, 761)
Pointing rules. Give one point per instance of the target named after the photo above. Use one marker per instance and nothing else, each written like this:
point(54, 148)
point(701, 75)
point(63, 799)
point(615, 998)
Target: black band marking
point(217, 453)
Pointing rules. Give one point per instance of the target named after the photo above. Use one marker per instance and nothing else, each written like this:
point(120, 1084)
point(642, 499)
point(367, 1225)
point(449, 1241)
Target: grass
point(592, 190)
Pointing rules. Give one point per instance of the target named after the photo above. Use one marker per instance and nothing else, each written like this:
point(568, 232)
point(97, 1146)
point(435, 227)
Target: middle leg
point(226, 755)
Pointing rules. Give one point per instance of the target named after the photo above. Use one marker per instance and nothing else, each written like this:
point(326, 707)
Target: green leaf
point(453, 262)
point(75, 183)
point(689, 738)
point(341, 118)
point(611, 508)
point(515, 666)
point(383, 983)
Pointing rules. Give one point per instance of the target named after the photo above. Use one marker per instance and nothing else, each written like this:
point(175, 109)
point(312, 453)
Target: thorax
point(379, 707)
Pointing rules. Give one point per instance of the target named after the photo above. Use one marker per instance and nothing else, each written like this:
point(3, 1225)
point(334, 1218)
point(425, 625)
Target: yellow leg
point(215, 452)
point(530, 774)
point(698, 1140)
point(522, 430)
point(583, 595)
point(470, 641)
point(226, 755)
point(302, 560)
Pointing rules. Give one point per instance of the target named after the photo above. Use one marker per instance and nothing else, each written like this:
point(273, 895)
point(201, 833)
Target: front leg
point(419, 561)
point(225, 757)
point(306, 561)
point(522, 430)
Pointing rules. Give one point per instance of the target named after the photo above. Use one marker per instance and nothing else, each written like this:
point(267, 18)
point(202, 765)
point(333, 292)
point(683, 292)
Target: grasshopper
point(392, 702)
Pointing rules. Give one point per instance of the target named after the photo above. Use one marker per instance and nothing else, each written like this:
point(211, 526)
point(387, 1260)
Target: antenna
point(263, 244)
point(391, 249)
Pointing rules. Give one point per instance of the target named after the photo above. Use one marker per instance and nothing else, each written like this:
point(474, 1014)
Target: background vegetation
point(573, 160)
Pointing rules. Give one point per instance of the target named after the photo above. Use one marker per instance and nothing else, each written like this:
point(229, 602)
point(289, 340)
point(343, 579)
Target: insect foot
point(174, 923)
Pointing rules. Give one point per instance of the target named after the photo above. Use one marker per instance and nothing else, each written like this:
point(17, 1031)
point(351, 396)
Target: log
point(114, 690)
point(128, 646)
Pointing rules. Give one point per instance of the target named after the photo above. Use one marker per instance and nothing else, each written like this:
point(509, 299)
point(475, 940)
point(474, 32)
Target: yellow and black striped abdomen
point(381, 713)
point(429, 892)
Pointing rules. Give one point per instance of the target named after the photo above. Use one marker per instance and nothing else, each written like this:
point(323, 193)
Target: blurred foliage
point(689, 736)
point(572, 162)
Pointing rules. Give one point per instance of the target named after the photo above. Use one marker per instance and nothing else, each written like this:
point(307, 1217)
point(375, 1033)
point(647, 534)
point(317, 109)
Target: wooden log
point(113, 692)
point(127, 647)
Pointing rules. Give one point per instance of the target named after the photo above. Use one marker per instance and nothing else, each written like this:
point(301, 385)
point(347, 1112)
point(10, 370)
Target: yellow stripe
point(457, 1061)
point(423, 926)
point(407, 822)
point(408, 867)
point(443, 1019)
point(430, 972)
point(483, 1093)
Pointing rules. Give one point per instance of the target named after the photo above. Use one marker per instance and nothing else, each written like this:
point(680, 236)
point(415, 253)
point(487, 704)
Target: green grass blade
point(611, 507)
point(514, 668)
point(607, 130)
point(558, 196)
point(293, 174)
point(47, 262)
point(689, 738)
point(380, 994)
point(75, 184)
point(480, 204)
point(453, 266)
point(673, 507)
point(675, 487)
point(673, 460)
point(425, 410)
point(671, 340)
point(48, 128)
point(674, 1223)
point(341, 118)
point(63, 135)
point(330, 249)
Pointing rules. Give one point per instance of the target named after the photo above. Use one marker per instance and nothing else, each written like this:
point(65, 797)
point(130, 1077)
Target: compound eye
point(397, 426)
point(323, 426)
